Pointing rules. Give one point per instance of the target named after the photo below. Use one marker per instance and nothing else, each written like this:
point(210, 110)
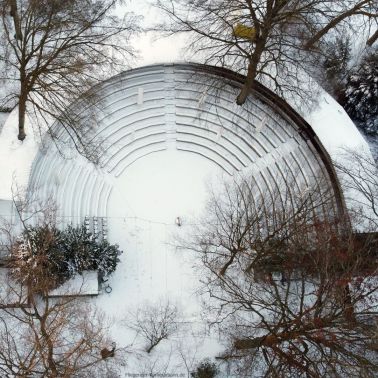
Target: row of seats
point(149, 110)
point(77, 188)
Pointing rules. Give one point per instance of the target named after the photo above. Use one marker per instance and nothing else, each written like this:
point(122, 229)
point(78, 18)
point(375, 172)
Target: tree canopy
point(46, 254)
point(273, 41)
point(54, 52)
point(291, 287)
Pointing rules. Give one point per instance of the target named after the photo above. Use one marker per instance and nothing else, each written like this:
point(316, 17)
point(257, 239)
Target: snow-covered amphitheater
point(168, 131)
point(183, 111)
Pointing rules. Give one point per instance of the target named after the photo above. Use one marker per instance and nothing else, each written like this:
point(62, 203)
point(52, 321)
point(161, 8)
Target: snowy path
point(145, 201)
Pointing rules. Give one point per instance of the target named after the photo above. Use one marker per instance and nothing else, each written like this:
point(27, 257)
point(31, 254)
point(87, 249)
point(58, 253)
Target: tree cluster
point(205, 369)
point(44, 336)
point(361, 93)
point(45, 253)
point(335, 68)
point(273, 41)
point(290, 285)
point(353, 81)
point(52, 53)
point(52, 338)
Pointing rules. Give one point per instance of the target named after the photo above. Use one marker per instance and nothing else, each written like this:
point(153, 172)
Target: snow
point(334, 128)
point(144, 204)
point(145, 201)
point(80, 285)
point(159, 50)
point(16, 157)
point(341, 138)
point(155, 47)
point(3, 117)
point(11, 292)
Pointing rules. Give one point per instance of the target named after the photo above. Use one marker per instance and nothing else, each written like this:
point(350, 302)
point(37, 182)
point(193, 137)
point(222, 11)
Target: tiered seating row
point(77, 188)
point(147, 110)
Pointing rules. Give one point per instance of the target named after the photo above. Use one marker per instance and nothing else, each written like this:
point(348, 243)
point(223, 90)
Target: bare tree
point(268, 40)
point(372, 39)
point(51, 337)
point(359, 173)
point(55, 51)
point(155, 322)
point(42, 335)
point(291, 287)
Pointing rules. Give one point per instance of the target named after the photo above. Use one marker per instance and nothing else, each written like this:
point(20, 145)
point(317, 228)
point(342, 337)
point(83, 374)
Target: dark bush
point(46, 254)
point(205, 369)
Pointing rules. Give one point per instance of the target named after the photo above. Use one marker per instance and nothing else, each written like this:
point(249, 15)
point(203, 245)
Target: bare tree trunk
point(372, 39)
point(16, 19)
point(241, 344)
point(266, 341)
point(274, 339)
point(152, 346)
point(252, 67)
point(247, 87)
point(310, 43)
point(23, 95)
point(50, 351)
point(349, 312)
point(21, 116)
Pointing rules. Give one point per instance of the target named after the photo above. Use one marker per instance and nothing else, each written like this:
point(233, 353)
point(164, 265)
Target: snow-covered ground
point(16, 157)
point(3, 117)
point(148, 194)
point(372, 140)
point(334, 128)
point(144, 204)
